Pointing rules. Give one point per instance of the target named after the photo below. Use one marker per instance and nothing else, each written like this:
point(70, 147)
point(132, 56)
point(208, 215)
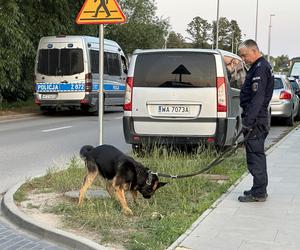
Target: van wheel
point(290, 120)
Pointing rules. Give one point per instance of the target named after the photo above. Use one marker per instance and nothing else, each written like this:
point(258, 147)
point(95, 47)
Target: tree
point(15, 48)
point(281, 63)
point(200, 29)
point(143, 29)
point(229, 34)
point(175, 40)
point(236, 35)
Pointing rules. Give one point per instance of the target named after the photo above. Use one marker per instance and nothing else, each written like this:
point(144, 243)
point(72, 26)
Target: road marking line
point(118, 118)
point(55, 129)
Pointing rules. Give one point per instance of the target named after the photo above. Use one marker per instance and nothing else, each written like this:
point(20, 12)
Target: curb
point(69, 240)
point(182, 237)
point(16, 116)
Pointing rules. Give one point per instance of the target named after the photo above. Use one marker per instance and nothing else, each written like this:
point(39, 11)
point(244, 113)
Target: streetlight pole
point(256, 24)
point(217, 35)
point(269, 40)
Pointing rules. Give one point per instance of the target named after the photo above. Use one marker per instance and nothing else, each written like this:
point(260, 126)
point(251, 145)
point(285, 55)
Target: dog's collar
point(150, 177)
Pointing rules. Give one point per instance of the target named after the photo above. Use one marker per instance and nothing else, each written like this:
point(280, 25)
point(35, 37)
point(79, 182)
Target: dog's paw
point(128, 212)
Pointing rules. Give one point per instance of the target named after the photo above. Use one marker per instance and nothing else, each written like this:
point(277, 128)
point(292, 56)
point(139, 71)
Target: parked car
point(183, 96)
point(295, 85)
point(295, 68)
point(285, 102)
point(296, 88)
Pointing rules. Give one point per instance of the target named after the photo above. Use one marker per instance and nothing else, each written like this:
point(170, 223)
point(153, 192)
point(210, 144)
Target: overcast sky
point(285, 32)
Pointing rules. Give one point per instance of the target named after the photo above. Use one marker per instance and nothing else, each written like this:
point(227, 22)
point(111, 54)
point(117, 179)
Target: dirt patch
point(36, 205)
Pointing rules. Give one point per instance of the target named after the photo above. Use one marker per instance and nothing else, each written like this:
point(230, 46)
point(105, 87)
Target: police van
point(67, 73)
point(183, 96)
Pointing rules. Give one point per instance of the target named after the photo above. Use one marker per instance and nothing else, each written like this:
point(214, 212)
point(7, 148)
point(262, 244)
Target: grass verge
point(19, 107)
point(157, 222)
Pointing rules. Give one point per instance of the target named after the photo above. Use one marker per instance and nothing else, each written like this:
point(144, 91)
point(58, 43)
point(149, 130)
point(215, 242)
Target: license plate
point(49, 96)
point(173, 109)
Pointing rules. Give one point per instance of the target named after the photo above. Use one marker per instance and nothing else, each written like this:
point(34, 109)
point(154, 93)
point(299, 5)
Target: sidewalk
point(274, 224)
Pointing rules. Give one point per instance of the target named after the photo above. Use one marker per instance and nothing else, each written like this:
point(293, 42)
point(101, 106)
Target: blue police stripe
point(59, 87)
point(75, 87)
point(110, 87)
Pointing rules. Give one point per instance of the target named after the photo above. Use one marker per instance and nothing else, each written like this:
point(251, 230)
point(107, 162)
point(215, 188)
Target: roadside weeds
point(156, 222)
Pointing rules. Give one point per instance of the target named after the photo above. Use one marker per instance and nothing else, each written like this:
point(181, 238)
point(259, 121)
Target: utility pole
point(217, 35)
point(256, 23)
point(269, 40)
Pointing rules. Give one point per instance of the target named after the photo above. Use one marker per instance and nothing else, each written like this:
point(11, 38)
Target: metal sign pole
point(101, 67)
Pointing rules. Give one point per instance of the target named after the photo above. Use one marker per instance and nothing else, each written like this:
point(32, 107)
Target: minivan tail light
point(88, 82)
point(221, 95)
point(128, 94)
point(285, 95)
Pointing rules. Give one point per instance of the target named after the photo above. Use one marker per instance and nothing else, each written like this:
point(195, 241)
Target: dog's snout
point(147, 196)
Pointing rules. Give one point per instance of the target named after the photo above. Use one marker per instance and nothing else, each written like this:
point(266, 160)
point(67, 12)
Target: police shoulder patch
point(256, 78)
point(254, 86)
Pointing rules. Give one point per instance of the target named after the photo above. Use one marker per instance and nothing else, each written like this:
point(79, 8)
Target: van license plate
point(48, 96)
point(173, 109)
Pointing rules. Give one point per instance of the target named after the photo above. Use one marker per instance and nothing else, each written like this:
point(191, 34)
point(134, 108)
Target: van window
point(235, 72)
point(175, 69)
point(94, 59)
point(60, 61)
point(112, 64)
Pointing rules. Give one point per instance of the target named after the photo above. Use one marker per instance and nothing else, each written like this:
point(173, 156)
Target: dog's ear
point(161, 184)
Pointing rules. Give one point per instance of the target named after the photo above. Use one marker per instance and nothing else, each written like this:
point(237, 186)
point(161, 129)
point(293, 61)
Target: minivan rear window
point(53, 62)
point(175, 70)
point(278, 83)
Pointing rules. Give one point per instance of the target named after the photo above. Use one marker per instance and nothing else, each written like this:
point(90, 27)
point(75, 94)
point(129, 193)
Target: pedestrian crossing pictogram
point(100, 12)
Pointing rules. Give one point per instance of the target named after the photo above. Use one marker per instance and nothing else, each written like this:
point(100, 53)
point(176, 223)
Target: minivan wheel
point(290, 120)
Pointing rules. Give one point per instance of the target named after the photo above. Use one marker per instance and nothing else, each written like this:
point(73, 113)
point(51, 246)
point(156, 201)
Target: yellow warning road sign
point(100, 12)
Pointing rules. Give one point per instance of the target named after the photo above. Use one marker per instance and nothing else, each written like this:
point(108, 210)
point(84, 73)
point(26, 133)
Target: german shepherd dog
point(121, 172)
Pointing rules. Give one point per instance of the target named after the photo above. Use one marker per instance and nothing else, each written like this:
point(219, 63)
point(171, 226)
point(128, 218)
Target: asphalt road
point(31, 145)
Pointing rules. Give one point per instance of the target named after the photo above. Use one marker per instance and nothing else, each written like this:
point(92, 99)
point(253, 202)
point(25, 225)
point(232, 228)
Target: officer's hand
point(246, 129)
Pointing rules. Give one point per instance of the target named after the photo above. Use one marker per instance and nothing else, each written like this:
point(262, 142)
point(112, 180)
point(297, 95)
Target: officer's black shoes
point(251, 198)
point(247, 192)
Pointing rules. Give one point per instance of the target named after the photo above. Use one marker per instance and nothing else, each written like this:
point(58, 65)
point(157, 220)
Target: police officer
point(255, 97)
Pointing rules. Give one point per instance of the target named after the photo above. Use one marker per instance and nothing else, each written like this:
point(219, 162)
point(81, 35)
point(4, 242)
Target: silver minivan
point(183, 96)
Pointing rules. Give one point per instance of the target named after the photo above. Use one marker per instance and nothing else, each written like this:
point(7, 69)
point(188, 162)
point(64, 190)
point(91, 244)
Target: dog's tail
point(85, 150)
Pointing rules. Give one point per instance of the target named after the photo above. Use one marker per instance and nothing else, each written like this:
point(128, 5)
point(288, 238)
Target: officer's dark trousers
point(256, 159)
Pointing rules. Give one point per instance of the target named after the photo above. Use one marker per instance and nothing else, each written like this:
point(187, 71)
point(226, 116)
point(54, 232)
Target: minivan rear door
point(174, 93)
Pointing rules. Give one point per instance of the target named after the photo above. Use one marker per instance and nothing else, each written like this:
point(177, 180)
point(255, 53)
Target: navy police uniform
point(255, 97)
